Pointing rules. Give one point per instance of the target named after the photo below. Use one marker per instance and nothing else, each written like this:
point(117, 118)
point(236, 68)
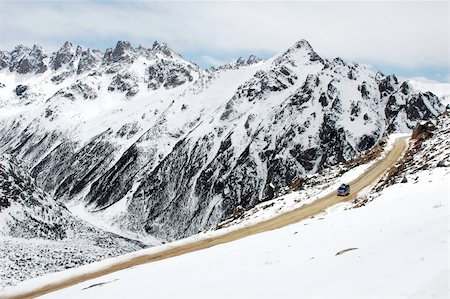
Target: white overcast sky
point(407, 38)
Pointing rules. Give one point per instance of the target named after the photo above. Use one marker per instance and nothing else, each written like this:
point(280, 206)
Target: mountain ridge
point(178, 148)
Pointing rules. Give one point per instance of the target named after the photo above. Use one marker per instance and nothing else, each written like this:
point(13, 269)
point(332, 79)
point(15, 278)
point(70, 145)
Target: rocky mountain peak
point(122, 47)
point(253, 59)
point(67, 46)
point(240, 61)
point(19, 52)
point(301, 51)
point(122, 51)
point(25, 60)
point(303, 43)
point(164, 49)
point(63, 56)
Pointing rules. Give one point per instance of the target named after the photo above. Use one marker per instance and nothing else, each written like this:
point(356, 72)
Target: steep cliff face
point(180, 147)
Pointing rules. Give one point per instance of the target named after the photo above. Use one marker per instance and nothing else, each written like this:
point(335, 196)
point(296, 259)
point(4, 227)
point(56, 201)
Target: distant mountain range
point(159, 146)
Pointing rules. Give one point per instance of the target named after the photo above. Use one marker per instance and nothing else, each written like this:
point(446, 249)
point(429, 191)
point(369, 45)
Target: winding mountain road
point(367, 178)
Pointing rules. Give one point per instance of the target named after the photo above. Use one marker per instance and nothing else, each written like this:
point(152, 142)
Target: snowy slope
point(39, 236)
point(148, 142)
point(401, 244)
point(394, 246)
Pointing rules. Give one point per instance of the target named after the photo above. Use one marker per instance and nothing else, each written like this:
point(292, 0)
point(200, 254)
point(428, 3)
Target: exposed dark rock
point(168, 74)
point(88, 61)
point(387, 85)
point(252, 59)
point(4, 59)
point(124, 83)
point(238, 212)
point(128, 130)
point(365, 93)
point(417, 106)
point(163, 48)
point(405, 88)
point(240, 61)
point(86, 91)
point(64, 56)
point(21, 89)
point(367, 142)
point(122, 51)
point(323, 100)
point(24, 60)
point(423, 129)
point(116, 182)
point(61, 77)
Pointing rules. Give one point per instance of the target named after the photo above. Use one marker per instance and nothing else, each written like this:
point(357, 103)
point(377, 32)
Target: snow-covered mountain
point(159, 146)
point(390, 245)
point(39, 235)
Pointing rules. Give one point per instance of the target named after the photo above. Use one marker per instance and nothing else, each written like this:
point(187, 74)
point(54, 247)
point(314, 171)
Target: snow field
point(401, 242)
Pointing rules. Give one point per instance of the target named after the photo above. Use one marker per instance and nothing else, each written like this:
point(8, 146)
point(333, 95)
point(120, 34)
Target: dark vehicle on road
point(343, 190)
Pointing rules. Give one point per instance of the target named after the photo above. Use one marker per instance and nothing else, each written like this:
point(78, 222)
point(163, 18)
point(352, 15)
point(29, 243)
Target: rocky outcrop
point(122, 51)
point(88, 61)
point(168, 74)
point(25, 60)
point(21, 89)
point(64, 56)
point(124, 83)
point(4, 59)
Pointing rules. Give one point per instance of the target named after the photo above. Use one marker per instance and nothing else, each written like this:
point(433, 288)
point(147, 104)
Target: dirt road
point(304, 212)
